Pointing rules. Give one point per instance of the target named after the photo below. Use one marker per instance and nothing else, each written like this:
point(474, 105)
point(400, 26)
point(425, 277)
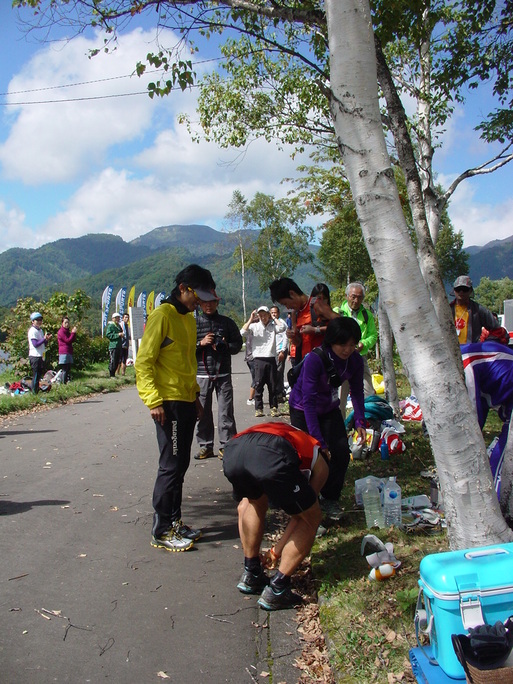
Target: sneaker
point(259, 413)
point(220, 453)
point(185, 531)
point(252, 584)
point(250, 402)
point(275, 413)
point(171, 541)
point(270, 600)
point(331, 508)
point(204, 452)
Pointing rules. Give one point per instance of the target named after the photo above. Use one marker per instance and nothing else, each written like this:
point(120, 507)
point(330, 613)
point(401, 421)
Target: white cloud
point(480, 222)
point(55, 143)
point(13, 229)
point(121, 165)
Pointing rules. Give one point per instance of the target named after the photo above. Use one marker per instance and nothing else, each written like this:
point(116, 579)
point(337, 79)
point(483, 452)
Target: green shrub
point(98, 350)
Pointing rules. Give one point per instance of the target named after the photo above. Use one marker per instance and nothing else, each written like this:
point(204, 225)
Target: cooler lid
point(482, 569)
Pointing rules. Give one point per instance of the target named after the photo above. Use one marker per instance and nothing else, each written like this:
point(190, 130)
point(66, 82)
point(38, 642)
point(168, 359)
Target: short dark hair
point(321, 289)
point(341, 330)
point(196, 276)
point(281, 287)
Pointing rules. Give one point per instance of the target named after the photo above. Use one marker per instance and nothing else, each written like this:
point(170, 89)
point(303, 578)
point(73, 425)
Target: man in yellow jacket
point(166, 381)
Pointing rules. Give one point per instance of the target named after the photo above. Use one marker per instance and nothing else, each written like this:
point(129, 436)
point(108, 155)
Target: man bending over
point(279, 463)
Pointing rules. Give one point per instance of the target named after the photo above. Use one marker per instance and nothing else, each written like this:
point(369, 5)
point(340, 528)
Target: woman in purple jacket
point(315, 404)
point(65, 338)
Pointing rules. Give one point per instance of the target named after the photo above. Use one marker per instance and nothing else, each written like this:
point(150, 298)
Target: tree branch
point(477, 171)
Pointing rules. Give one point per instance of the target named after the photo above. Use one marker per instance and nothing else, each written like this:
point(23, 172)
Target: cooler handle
point(484, 552)
point(422, 625)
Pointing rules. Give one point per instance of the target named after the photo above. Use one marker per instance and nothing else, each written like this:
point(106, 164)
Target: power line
point(82, 83)
point(84, 99)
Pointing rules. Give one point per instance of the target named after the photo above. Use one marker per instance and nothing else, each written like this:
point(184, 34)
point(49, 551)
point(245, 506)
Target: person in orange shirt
point(305, 334)
point(279, 463)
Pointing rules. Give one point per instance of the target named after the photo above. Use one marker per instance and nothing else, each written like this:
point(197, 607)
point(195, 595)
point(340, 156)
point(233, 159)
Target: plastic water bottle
point(385, 455)
point(372, 504)
point(392, 503)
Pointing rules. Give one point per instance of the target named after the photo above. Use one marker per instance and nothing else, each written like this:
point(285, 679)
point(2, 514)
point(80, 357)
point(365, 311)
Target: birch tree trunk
point(243, 275)
point(416, 196)
point(456, 439)
point(386, 343)
point(507, 477)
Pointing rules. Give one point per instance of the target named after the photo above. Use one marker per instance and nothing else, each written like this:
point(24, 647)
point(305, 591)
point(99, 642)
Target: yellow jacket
point(166, 361)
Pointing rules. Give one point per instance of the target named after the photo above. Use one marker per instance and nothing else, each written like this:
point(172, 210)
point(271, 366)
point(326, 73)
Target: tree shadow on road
point(9, 433)
point(14, 507)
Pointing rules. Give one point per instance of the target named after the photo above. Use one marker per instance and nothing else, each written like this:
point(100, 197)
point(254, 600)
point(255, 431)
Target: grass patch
point(369, 625)
point(92, 380)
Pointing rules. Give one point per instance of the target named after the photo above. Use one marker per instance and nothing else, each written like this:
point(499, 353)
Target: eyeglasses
point(189, 289)
point(462, 289)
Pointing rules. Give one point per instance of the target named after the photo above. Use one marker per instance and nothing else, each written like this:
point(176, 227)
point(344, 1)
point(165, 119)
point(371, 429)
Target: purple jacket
point(65, 339)
point(313, 394)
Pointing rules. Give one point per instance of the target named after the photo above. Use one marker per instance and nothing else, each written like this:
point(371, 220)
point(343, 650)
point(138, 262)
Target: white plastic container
point(372, 504)
point(392, 503)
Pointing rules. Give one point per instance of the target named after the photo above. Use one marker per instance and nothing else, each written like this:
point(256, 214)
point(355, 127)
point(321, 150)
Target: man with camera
point(218, 337)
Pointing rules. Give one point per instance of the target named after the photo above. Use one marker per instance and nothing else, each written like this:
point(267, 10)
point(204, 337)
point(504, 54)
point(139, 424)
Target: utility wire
point(82, 83)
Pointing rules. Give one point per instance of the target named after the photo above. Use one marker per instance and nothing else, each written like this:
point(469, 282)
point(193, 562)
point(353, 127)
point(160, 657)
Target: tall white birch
point(456, 439)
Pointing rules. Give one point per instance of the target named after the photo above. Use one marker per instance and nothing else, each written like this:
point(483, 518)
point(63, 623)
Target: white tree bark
point(386, 342)
point(507, 478)
point(456, 439)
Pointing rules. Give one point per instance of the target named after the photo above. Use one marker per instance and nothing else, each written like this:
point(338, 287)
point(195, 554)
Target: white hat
point(116, 315)
point(262, 308)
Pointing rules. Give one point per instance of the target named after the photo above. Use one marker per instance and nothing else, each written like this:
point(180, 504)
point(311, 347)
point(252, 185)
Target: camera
point(218, 342)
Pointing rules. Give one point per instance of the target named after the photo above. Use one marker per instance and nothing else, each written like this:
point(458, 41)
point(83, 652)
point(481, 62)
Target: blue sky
point(123, 165)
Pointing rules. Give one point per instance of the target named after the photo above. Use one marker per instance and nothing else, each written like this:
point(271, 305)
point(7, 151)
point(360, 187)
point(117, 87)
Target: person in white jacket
point(262, 331)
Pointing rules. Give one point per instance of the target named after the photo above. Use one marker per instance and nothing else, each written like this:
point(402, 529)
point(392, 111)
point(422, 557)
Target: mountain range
point(150, 262)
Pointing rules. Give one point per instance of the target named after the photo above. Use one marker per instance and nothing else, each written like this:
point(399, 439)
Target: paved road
point(84, 598)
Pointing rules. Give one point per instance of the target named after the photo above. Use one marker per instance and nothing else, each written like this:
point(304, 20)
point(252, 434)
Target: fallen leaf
point(163, 675)
point(82, 555)
point(264, 674)
point(391, 636)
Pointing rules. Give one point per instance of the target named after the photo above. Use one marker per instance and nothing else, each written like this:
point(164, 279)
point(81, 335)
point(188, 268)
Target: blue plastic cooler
point(460, 590)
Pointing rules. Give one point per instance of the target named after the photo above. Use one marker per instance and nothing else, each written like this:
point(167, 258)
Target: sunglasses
point(189, 289)
point(462, 289)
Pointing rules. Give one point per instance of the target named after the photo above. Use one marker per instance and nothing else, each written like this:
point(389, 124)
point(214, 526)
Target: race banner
point(159, 298)
point(150, 303)
point(106, 297)
point(141, 301)
point(120, 300)
point(131, 298)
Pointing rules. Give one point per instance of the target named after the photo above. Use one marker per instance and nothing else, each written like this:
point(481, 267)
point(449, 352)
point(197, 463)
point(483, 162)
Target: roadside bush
point(98, 350)
point(17, 323)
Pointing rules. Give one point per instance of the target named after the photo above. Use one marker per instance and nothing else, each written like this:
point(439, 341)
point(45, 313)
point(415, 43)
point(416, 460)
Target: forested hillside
point(150, 262)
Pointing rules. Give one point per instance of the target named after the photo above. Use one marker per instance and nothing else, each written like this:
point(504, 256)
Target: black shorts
point(124, 355)
point(258, 463)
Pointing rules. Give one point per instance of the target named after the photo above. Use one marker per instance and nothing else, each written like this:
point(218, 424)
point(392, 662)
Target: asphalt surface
point(84, 597)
